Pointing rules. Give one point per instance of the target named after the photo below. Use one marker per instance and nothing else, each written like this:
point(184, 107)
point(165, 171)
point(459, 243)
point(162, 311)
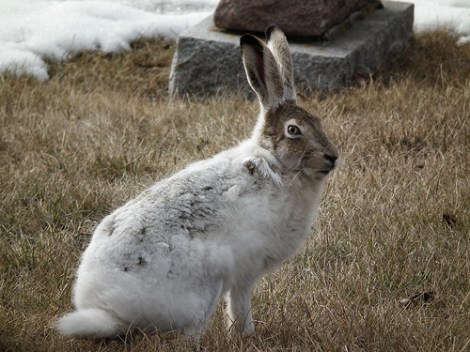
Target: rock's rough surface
point(208, 60)
point(306, 18)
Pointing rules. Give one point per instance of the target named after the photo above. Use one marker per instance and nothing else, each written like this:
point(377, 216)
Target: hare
point(164, 260)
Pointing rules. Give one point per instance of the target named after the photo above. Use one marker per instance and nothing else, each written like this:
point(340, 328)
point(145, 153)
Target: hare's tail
point(90, 322)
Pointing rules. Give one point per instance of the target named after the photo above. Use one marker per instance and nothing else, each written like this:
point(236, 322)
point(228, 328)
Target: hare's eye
point(293, 130)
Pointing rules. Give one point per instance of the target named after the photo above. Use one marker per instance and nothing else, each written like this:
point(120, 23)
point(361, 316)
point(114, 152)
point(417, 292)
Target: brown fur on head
point(289, 132)
point(296, 138)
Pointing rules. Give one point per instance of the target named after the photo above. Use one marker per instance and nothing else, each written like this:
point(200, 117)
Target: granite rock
point(302, 18)
point(208, 61)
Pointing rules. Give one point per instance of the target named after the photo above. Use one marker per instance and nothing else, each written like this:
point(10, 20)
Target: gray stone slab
point(207, 60)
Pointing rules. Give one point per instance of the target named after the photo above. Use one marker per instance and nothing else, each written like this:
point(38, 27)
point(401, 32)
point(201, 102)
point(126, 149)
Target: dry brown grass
point(395, 220)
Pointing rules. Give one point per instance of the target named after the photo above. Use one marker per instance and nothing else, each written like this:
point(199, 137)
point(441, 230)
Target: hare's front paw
point(256, 165)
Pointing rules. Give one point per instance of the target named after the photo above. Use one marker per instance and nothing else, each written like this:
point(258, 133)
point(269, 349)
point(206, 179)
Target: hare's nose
point(331, 158)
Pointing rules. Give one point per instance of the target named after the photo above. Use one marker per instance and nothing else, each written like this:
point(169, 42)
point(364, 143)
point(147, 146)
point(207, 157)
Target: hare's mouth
point(312, 172)
point(331, 165)
point(328, 169)
point(325, 172)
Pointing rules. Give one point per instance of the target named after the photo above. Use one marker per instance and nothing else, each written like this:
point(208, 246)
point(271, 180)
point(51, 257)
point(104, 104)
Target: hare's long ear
point(277, 43)
point(262, 71)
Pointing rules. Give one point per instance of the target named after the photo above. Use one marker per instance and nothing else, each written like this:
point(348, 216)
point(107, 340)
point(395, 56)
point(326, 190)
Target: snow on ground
point(450, 14)
point(32, 30)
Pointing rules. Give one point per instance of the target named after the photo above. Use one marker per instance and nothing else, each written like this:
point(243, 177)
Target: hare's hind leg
point(239, 316)
point(194, 331)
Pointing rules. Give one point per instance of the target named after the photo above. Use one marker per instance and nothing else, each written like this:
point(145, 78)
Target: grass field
point(387, 267)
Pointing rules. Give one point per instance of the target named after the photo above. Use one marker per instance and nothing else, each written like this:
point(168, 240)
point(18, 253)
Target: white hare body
point(163, 260)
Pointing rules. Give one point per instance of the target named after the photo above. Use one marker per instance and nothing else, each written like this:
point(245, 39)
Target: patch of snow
point(33, 30)
point(453, 15)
